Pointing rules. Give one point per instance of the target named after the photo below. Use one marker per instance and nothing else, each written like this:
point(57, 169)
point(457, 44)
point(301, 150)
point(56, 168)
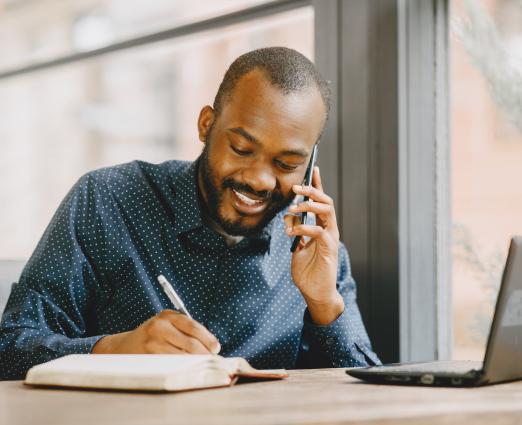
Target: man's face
point(255, 150)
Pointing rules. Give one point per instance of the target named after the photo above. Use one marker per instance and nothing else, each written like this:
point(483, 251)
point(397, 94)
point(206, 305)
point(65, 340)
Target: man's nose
point(260, 178)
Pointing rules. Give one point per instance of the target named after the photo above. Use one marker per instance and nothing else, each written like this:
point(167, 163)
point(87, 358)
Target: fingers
point(196, 331)
point(327, 240)
point(314, 193)
point(314, 207)
point(291, 220)
point(319, 204)
point(186, 343)
point(316, 179)
point(156, 347)
point(315, 232)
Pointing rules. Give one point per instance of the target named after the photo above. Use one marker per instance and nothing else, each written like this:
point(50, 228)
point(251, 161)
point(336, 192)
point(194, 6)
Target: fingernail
point(289, 230)
point(217, 348)
point(296, 187)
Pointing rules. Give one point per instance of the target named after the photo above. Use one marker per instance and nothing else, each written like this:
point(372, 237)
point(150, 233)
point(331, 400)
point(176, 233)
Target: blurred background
point(138, 103)
point(108, 103)
point(486, 159)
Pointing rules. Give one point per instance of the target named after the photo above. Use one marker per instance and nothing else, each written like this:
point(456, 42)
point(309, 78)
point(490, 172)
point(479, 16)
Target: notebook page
point(243, 368)
point(128, 371)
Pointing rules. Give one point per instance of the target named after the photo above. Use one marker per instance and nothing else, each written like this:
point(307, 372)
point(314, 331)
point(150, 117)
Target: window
point(137, 103)
point(33, 31)
point(486, 115)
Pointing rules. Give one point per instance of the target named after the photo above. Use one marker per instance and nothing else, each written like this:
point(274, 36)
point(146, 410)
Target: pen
point(172, 296)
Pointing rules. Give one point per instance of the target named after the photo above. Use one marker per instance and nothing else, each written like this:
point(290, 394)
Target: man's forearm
point(325, 313)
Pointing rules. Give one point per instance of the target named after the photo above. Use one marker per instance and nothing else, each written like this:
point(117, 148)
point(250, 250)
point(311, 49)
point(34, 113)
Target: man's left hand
point(314, 263)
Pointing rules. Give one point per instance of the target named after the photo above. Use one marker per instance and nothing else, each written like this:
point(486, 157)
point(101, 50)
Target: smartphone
point(307, 181)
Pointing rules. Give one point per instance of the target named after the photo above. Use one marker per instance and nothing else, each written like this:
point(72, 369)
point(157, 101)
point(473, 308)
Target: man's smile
point(247, 204)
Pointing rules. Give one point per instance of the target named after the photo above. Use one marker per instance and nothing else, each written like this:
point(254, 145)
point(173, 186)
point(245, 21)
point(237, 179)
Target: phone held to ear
point(307, 181)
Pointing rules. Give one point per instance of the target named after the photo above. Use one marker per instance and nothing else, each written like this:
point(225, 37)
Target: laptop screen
point(503, 359)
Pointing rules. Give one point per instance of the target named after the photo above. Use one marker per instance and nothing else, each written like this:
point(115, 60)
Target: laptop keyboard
point(448, 366)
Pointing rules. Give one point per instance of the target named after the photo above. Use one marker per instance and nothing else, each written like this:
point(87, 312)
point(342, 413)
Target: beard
point(215, 191)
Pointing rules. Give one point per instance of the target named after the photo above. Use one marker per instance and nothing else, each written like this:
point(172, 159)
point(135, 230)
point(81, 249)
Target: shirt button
point(330, 340)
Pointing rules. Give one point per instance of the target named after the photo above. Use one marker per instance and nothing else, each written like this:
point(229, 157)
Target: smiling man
point(220, 229)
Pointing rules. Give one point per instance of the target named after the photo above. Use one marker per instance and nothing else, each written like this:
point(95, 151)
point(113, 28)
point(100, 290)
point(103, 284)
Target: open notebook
point(145, 372)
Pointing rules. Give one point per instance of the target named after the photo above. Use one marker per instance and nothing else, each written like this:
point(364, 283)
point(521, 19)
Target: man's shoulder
point(134, 175)
point(137, 171)
point(130, 184)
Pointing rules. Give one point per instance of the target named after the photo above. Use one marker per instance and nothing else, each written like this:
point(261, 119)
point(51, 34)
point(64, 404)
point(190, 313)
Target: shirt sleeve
point(50, 309)
point(344, 342)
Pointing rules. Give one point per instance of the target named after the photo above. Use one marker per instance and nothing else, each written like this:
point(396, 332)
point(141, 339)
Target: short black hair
point(286, 69)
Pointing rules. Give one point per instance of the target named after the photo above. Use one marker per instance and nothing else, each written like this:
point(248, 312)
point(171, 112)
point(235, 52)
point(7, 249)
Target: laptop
point(503, 358)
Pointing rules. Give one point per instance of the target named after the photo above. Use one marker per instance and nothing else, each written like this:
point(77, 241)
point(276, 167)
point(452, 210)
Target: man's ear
point(205, 121)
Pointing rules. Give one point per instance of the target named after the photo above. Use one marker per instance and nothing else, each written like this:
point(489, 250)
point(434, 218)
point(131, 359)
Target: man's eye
point(239, 151)
point(287, 167)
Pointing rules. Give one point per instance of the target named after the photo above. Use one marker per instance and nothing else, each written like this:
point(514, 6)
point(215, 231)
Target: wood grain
point(323, 396)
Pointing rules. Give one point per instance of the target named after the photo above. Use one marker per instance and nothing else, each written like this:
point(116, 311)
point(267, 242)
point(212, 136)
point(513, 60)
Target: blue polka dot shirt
point(94, 273)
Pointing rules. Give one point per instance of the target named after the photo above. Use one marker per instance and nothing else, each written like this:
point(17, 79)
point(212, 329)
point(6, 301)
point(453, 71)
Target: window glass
point(134, 104)
point(486, 115)
point(40, 30)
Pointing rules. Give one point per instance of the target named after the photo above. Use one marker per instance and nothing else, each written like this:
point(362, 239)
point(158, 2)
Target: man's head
point(270, 110)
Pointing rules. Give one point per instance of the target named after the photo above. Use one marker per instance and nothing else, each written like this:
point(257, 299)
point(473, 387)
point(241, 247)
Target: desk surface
point(325, 396)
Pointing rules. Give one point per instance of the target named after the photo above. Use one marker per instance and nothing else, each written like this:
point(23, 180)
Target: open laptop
point(503, 358)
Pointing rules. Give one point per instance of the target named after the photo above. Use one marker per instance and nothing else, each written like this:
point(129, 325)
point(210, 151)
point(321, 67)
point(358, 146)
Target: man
point(219, 229)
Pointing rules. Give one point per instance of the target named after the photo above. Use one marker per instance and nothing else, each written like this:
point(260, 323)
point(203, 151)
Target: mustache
point(265, 195)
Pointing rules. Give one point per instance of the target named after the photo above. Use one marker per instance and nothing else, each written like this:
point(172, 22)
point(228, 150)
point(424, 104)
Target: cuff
point(80, 345)
point(341, 342)
point(329, 335)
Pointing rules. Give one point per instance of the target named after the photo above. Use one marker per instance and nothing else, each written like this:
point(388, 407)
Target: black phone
point(307, 181)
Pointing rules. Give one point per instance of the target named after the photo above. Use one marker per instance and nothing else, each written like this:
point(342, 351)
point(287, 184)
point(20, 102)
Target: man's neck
point(229, 239)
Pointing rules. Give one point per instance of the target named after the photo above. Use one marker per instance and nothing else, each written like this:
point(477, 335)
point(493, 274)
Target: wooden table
point(323, 396)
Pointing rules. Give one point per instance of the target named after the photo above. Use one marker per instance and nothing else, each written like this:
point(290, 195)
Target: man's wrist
point(324, 313)
point(101, 346)
point(106, 344)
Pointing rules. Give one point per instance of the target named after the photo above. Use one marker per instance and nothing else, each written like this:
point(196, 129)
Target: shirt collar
point(188, 214)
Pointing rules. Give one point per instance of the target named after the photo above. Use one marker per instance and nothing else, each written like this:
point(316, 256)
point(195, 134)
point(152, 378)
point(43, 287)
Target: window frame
point(388, 165)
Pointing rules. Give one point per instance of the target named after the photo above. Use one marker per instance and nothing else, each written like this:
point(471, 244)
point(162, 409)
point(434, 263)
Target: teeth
point(246, 199)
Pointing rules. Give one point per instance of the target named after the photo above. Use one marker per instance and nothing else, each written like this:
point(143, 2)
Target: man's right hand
point(169, 332)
